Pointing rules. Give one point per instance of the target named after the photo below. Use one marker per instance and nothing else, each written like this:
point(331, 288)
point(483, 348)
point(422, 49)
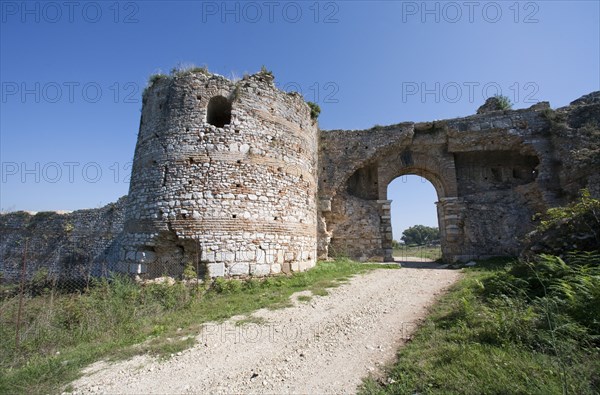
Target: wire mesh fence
point(35, 264)
point(41, 278)
point(417, 253)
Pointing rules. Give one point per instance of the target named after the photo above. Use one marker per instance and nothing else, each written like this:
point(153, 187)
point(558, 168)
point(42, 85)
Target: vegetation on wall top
point(315, 110)
point(504, 102)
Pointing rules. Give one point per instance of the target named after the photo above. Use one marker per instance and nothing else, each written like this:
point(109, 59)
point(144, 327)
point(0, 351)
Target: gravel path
point(326, 345)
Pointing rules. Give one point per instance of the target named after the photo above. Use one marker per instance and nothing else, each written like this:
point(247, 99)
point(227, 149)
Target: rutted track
point(326, 345)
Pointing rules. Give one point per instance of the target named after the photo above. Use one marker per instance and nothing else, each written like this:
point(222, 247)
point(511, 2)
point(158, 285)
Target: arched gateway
point(491, 172)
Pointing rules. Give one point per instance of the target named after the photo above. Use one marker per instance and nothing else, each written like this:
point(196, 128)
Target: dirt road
point(326, 345)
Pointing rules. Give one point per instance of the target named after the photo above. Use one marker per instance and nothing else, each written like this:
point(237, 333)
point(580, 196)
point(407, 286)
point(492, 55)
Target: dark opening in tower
point(219, 111)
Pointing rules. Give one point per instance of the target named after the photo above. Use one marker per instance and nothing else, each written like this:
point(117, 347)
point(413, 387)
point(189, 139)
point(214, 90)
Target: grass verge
point(423, 252)
point(506, 328)
point(62, 333)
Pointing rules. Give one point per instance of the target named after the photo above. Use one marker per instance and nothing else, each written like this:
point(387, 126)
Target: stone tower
point(224, 178)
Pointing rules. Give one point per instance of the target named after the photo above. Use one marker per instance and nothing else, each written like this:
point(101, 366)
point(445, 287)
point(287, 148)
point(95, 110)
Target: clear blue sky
point(72, 74)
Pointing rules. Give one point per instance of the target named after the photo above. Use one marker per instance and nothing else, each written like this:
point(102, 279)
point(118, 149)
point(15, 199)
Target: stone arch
point(429, 177)
point(218, 111)
point(358, 221)
point(436, 167)
point(438, 183)
point(386, 214)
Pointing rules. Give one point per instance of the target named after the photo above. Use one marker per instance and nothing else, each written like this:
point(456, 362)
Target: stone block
point(275, 268)
point(238, 269)
point(260, 270)
point(207, 256)
point(216, 269)
point(305, 265)
point(325, 205)
point(245, 255)
point(270, 256)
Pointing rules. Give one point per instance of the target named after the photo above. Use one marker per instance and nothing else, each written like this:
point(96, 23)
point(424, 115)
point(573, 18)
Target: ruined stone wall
point(71, 246)
point(355, 225)
point(349, 216)
point(235, 179)
point(492, 172)
point(239, 195)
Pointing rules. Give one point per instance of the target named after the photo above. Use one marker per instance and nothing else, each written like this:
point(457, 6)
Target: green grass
point(434, 252)
point(62, 333)
point(496, 333)
point(251, 320)
point(304, 298)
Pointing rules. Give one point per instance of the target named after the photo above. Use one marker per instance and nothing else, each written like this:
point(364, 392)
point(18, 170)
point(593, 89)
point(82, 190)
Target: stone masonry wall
point(69, 246)
point(238, 197)
point(492, 172)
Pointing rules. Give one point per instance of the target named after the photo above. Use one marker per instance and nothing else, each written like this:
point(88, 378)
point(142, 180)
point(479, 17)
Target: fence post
point(21, 295)
point(197, 262)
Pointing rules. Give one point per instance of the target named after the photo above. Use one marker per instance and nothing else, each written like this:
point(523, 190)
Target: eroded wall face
point(241, 198)
point(356, 217)
point(492, 173)
point(73, 247)
point(487, 171)
point(355, 225)
point(499, 195)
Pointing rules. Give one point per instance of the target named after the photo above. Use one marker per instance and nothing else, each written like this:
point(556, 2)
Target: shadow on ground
point(412, 262)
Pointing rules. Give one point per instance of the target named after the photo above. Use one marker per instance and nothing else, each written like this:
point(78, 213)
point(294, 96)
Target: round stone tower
point(224, 178)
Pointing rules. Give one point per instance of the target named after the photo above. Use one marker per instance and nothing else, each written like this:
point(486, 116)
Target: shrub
point(266, 72)
point(504, 102)
point(188, 69)
point(199, 70)
point(575, 227)
point(565, 294)
point(221, 285)
point(189, 272)
point(315, 110)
